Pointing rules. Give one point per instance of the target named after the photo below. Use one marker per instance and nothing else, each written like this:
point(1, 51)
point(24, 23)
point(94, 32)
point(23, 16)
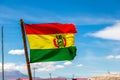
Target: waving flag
point(51, 41)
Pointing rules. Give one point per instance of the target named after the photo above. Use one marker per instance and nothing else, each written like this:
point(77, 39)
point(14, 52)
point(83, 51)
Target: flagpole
point(25, 48)
point(2, 56)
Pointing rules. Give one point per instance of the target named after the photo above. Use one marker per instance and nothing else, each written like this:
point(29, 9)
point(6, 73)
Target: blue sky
point(97, 40)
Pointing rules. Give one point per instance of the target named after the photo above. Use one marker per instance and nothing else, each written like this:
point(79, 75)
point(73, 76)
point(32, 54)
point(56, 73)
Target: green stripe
point(45, 55)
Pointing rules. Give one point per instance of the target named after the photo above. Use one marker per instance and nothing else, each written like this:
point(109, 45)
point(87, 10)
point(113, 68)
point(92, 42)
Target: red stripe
point(49, 28)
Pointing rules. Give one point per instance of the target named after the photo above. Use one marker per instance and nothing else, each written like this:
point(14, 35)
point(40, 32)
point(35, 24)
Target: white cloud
point(110, 32)
point(16, 52)
point(40, 67)
point(68, 63)
point(110, 57)
point(113, 57)
point(79, 65)
point(14, 67)
point(9, 66)
point(117, 57)
point(59, 66)
point(46, 67)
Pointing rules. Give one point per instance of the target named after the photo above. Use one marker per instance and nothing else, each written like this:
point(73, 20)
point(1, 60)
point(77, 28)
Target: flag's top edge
point(50, 28)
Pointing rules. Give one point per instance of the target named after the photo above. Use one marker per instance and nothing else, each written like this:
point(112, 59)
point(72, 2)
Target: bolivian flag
point(51, 41)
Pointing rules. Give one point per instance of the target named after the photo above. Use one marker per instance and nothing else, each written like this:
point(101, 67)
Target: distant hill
point(12, 74)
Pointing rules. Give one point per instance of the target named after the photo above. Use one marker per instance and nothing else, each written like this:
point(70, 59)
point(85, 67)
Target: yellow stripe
point(47, 41)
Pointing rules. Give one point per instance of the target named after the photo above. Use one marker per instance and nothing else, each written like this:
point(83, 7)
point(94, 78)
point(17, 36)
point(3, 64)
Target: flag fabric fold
point(51, 41)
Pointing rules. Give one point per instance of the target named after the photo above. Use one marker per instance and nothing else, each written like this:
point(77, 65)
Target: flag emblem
point(60, 41)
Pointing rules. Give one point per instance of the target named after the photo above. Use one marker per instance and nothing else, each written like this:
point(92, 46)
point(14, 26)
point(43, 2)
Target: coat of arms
point(60, 41)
